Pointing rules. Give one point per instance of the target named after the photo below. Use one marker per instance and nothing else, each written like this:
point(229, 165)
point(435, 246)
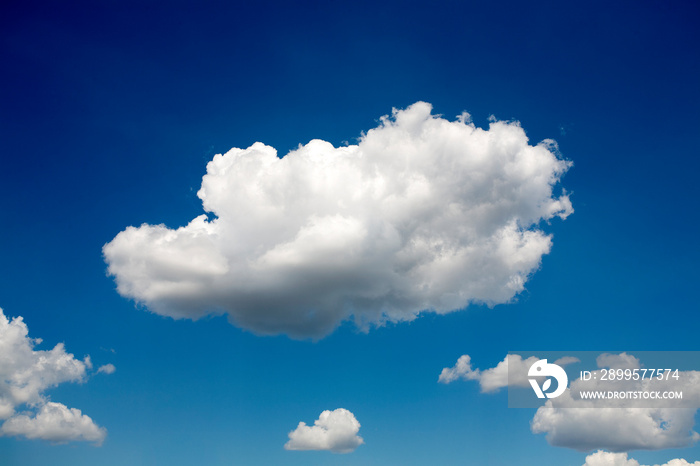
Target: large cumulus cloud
point(423, 214)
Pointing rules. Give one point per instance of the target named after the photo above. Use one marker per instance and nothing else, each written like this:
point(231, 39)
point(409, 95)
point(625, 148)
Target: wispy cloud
point(107, 369)
point(495, 378)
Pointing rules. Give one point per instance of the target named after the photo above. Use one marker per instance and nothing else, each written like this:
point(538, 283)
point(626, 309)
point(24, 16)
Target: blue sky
point(110, 112)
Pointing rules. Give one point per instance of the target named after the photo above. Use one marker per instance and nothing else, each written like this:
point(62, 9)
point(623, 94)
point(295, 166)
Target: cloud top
point(423, 214)
point(334, 431)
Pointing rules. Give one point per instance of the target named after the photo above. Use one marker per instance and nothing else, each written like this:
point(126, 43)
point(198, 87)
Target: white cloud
point(622, 424)
point(57, 423)
point(424, 214)
point(497, 377)
point(107, 369)
point(335, 431)
point(615, 429)
point(461, 370)
point(586, 425)
point(604, 458)
point(25, 374)
point(618, 361)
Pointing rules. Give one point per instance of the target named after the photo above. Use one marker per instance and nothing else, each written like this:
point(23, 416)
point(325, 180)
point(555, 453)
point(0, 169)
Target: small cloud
point(422, 214)
point(107, 369)
point(25, 374)
point(56, 423)
point(495, 378)
point(604, 458)
point(334, 431)
point(461, 370)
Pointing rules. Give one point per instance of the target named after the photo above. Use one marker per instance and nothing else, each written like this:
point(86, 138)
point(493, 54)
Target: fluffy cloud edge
point(56, 423)
point(375, 232)
point(26, 374)
point(335, 431)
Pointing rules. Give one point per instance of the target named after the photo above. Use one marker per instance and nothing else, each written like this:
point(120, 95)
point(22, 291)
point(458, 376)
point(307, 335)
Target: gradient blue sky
point(109, 112)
